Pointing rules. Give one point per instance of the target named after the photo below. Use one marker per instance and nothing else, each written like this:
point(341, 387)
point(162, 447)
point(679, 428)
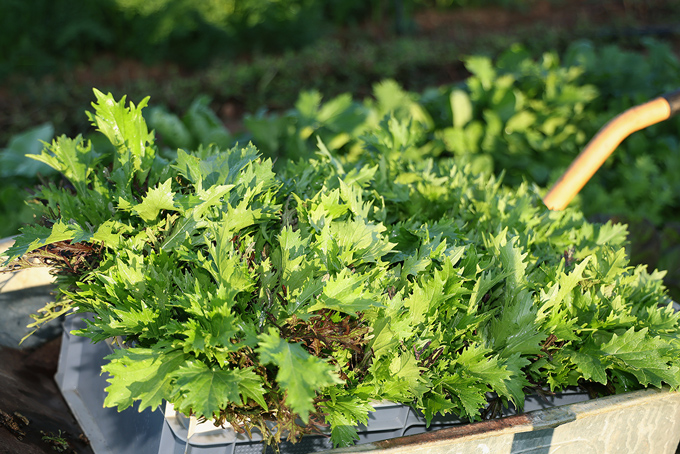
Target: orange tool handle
point(605, 142)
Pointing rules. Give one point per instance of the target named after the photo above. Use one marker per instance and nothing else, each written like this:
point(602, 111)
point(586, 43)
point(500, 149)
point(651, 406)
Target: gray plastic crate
point(82, 384)
point(167, 432)
point(388, 421)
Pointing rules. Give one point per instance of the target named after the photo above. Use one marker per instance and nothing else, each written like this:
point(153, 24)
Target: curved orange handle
point(605, 142)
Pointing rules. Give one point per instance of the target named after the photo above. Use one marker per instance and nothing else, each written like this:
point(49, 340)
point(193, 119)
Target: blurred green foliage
point(19, 175)
point(38, 34)
point(42, 34)
point(271, 81)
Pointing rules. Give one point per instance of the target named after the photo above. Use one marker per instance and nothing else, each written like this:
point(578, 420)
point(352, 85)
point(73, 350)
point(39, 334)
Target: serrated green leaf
point(214, 334)
point(204, 390)
point(358, 241)
point(126, 129)
point(211, 197)
point(436, 404)
point(589, 365)
point(184, 228)
point(225, 264)
point(34, 237)
point(643, 356)
point(415, 264)
point(384, 339)
point(300, 374)
point(295, 270)
point(110, 232)
point(156, 199)
point(470, 394)
point(424, 298)
point(567, 283)
point(611, 233)
point(513, 260)
point(142, 374)
point(346, 292)
point(477, 361)
point(343, 414)
point(514, 387)
point(486, 282)
point(75, 159)
point(404, 367)
point(516, 330)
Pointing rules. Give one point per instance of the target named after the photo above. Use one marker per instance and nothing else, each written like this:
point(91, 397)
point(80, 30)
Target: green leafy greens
point(303, 296)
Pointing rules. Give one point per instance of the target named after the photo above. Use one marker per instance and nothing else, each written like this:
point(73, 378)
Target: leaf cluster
point(302, 296)
point(525, 116)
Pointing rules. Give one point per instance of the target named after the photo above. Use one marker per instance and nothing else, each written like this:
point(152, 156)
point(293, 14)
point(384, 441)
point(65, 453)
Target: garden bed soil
point(29, 394)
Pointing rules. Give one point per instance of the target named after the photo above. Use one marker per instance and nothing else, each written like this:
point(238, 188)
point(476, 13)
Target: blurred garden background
point(512, 87)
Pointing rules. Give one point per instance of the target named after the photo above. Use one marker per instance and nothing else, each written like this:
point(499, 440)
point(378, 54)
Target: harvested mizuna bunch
point(300, 298)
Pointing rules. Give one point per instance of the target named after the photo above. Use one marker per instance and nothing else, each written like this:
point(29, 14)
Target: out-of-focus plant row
point(524, 117)
point(236, 86)
point(42, 34)
point(358, 47)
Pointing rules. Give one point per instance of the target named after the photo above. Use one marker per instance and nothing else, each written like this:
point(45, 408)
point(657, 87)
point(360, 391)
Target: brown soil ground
point(34, 417)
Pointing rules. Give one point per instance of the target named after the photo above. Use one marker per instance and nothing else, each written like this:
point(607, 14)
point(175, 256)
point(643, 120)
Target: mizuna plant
point(246, 296)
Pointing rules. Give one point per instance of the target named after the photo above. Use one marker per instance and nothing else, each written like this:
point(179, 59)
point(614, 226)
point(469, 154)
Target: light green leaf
point(346, 292)
point(436, 404)
point(295, 270)
point(156, 199)
point(34, 237)
point(478, 362)
point(469, 392)
point(516, 330)
point(520, 122)
point(142, 374)
point(461, 107)
point(567, 283)
point(482, 68)
point(424, 298)
point(126, 129)
point(344, 413)
point(186, 227)
point(74, 158)
point(110, 233)
point(404, 367)
point(612, 234)
point(204, 390)
point(300, 374)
